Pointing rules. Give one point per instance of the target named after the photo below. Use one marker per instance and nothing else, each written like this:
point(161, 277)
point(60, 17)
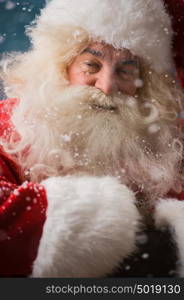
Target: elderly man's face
point(106, 68)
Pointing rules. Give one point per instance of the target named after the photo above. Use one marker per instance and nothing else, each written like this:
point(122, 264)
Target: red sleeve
point(179, 196)
point(22, 215)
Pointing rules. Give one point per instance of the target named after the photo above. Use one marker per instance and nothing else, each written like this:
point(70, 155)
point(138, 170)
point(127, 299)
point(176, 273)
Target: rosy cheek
point(77, 77)
point(132, 90)
point(128, 89)
point(72, 75)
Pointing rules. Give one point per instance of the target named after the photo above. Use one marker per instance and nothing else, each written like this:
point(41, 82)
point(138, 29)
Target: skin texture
point(106, 68)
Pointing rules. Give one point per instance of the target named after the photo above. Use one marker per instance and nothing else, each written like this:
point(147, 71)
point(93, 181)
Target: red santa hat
point(142, 26)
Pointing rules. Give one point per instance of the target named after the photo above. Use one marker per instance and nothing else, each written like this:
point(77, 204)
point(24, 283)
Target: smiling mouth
point(103, 107)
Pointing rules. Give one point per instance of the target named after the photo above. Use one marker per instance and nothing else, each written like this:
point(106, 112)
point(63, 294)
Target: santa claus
point(91, 145)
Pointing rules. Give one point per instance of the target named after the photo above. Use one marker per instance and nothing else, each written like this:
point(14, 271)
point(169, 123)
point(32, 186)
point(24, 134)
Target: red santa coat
point(22, 211)
point(82, 226)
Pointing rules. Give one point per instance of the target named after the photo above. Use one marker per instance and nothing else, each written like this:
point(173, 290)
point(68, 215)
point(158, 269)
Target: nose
point(106, 82)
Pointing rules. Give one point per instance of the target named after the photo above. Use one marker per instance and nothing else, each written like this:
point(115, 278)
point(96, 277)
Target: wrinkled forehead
point(106, 51)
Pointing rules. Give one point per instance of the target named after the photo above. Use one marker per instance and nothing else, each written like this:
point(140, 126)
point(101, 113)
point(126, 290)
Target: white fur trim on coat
point(91, 225)
point(170, 212)
point(143, 26)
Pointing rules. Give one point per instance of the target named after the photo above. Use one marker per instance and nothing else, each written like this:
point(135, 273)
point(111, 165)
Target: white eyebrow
point(93, 52)
point(130, 62)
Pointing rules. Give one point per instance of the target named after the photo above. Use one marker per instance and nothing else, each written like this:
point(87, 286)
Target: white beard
point(83, 131)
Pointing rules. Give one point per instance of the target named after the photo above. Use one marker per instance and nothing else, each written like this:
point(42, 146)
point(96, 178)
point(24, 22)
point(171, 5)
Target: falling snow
point(35, 201)
point(131, 102)
point(10, 5)
point(145, 255)
point(142, 238)
point(166, 30)
point(12, 34)
point(28, 198)
point(76, 34)
point(139, 83)
point(153, 128)
point(16, 193)
point(65, 138)
point(25, 184)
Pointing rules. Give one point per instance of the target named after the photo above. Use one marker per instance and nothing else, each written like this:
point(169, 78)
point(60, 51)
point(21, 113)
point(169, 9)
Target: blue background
point(14, 16)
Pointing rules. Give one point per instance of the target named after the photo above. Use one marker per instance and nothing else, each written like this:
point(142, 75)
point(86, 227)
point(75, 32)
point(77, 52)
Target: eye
point(128, 73)
point(122, 71)
point(91, 67)
point(124, 74)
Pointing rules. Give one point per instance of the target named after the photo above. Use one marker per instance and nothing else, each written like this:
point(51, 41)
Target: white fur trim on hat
point(143, 26)
point(170, 212)
point(91, 225)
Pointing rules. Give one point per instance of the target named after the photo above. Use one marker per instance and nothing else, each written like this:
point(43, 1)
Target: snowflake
point(145, 255)
point(10, 5)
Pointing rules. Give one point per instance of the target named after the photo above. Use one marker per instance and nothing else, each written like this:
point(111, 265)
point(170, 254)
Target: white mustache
point(96, 98)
